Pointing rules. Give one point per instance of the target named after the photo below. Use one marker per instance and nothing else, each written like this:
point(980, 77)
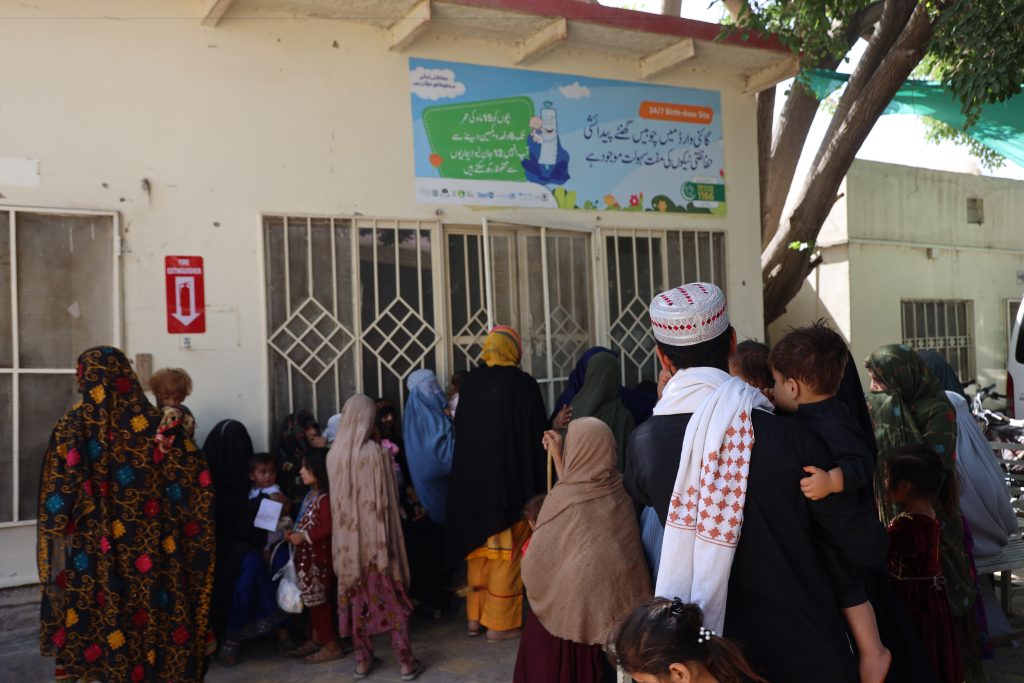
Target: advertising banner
point(491, 136)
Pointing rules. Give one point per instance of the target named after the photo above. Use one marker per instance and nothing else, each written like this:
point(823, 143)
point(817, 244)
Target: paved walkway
point(442, 645)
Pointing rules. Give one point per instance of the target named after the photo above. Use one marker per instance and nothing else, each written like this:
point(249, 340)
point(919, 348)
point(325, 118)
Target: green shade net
point(1000, 127)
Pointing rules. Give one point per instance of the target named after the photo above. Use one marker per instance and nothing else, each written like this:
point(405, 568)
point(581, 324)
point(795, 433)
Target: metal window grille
point(536, 275)
point(605, 305)
point(342, 318)
point(351, 307)
point(945, 326)
point(59, 294)
point(641, 263)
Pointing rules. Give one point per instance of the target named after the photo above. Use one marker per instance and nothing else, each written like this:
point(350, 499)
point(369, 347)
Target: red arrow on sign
point(186, 305)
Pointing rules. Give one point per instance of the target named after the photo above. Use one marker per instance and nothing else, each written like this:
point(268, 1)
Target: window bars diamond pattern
point(351, 307)
point(641, 263)
point(312, 339)
point(355, 304)
point(569, 340)
point(630, 333)
point(400, 338)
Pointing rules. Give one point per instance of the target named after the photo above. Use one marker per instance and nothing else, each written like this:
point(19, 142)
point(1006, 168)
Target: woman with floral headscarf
point(908, 405)
point(125, 536)
point(498, 465)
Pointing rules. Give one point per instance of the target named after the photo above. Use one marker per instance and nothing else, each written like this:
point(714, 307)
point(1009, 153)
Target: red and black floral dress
point(917, 576)
point(313, 558)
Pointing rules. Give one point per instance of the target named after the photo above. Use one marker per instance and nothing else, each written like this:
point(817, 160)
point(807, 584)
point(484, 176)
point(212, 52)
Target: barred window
point(356, 304)
point(350, 307)
point(58, 295)
point(945, 326)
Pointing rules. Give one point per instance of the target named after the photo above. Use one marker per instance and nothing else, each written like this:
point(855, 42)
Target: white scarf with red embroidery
point(706, 513)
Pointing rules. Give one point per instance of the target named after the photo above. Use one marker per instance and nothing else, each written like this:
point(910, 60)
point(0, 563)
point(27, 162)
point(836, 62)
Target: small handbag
point(289, 597)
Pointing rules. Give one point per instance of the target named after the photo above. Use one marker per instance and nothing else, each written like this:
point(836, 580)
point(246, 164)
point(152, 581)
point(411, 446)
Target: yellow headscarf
point(502, 347)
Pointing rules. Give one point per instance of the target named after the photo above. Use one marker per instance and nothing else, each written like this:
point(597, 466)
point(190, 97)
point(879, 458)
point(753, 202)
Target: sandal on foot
point(359, 675)
point(474, 631)
point(415, 673)
point(322, 655)
point(307, 648)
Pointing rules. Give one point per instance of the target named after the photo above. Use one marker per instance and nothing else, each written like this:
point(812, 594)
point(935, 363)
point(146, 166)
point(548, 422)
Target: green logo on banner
point(704, 192)
point(483, 140)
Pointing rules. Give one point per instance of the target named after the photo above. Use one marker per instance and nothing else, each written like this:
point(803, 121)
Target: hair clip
point(677, 607)
point(705, 635)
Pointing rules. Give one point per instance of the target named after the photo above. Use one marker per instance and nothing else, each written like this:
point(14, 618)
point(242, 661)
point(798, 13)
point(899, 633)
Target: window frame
point(15, 370)
point(936, 342)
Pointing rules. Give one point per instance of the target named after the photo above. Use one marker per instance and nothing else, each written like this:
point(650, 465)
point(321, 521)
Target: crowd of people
point(793, 527)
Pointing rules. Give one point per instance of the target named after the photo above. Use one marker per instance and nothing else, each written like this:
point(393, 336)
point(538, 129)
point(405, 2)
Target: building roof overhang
point(533, 30)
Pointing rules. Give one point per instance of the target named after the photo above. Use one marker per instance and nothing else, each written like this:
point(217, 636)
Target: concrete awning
point(535, 28)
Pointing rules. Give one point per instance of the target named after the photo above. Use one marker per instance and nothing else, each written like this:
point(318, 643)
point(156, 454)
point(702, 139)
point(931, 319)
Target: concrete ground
point(442, 645)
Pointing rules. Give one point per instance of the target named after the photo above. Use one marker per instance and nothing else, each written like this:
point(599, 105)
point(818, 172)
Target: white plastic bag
point(289, 597)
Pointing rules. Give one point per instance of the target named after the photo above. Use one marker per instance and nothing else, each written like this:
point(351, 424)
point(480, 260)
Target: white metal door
point(60, 293)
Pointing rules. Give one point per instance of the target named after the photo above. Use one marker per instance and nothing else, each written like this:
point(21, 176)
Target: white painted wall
point(901, 233)
point(262, 116)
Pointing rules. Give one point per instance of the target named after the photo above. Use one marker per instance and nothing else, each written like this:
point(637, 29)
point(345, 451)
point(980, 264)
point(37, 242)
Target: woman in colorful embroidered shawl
point(584, 569)
point(367, 543)
point(244, 606)
point(599, 397)
point(908, 405)
point(498, 465)
point(125, 536)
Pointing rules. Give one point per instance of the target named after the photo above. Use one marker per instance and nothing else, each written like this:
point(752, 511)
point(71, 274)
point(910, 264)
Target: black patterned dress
point(125, 535)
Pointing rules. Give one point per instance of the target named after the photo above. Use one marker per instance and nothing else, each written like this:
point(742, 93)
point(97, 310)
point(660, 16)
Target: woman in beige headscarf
point(367, 544)
point(584, 569)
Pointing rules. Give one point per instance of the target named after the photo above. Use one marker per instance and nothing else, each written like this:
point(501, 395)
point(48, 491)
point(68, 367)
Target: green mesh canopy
point(1000, 127)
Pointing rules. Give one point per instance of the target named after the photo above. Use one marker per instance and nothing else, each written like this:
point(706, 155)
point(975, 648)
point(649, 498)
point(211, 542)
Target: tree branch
point(895, 16)
point(784, 270)
point(794, 124)
point(736, 9)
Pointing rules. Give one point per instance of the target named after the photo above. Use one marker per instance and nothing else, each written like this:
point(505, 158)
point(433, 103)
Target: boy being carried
point(807, 365)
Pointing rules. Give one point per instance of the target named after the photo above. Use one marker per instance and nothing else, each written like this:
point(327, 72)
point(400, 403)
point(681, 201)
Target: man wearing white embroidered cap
point(721, 474)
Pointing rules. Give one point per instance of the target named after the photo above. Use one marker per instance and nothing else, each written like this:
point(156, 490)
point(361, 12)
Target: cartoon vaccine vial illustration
point(547, 162)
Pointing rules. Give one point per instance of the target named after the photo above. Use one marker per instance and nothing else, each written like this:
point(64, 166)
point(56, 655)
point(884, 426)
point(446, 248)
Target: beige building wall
point(907, 237)
point(270, 115)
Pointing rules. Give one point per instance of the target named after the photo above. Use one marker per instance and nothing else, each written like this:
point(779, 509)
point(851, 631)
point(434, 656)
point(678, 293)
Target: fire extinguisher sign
point(186, 301)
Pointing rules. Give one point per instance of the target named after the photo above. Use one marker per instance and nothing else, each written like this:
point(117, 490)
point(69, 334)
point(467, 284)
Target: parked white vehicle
point(1015, 368)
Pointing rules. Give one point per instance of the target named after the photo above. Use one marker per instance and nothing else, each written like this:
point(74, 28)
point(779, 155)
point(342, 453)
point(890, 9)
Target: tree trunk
point(672, 8)
point(783, 270)
point(794, 125)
